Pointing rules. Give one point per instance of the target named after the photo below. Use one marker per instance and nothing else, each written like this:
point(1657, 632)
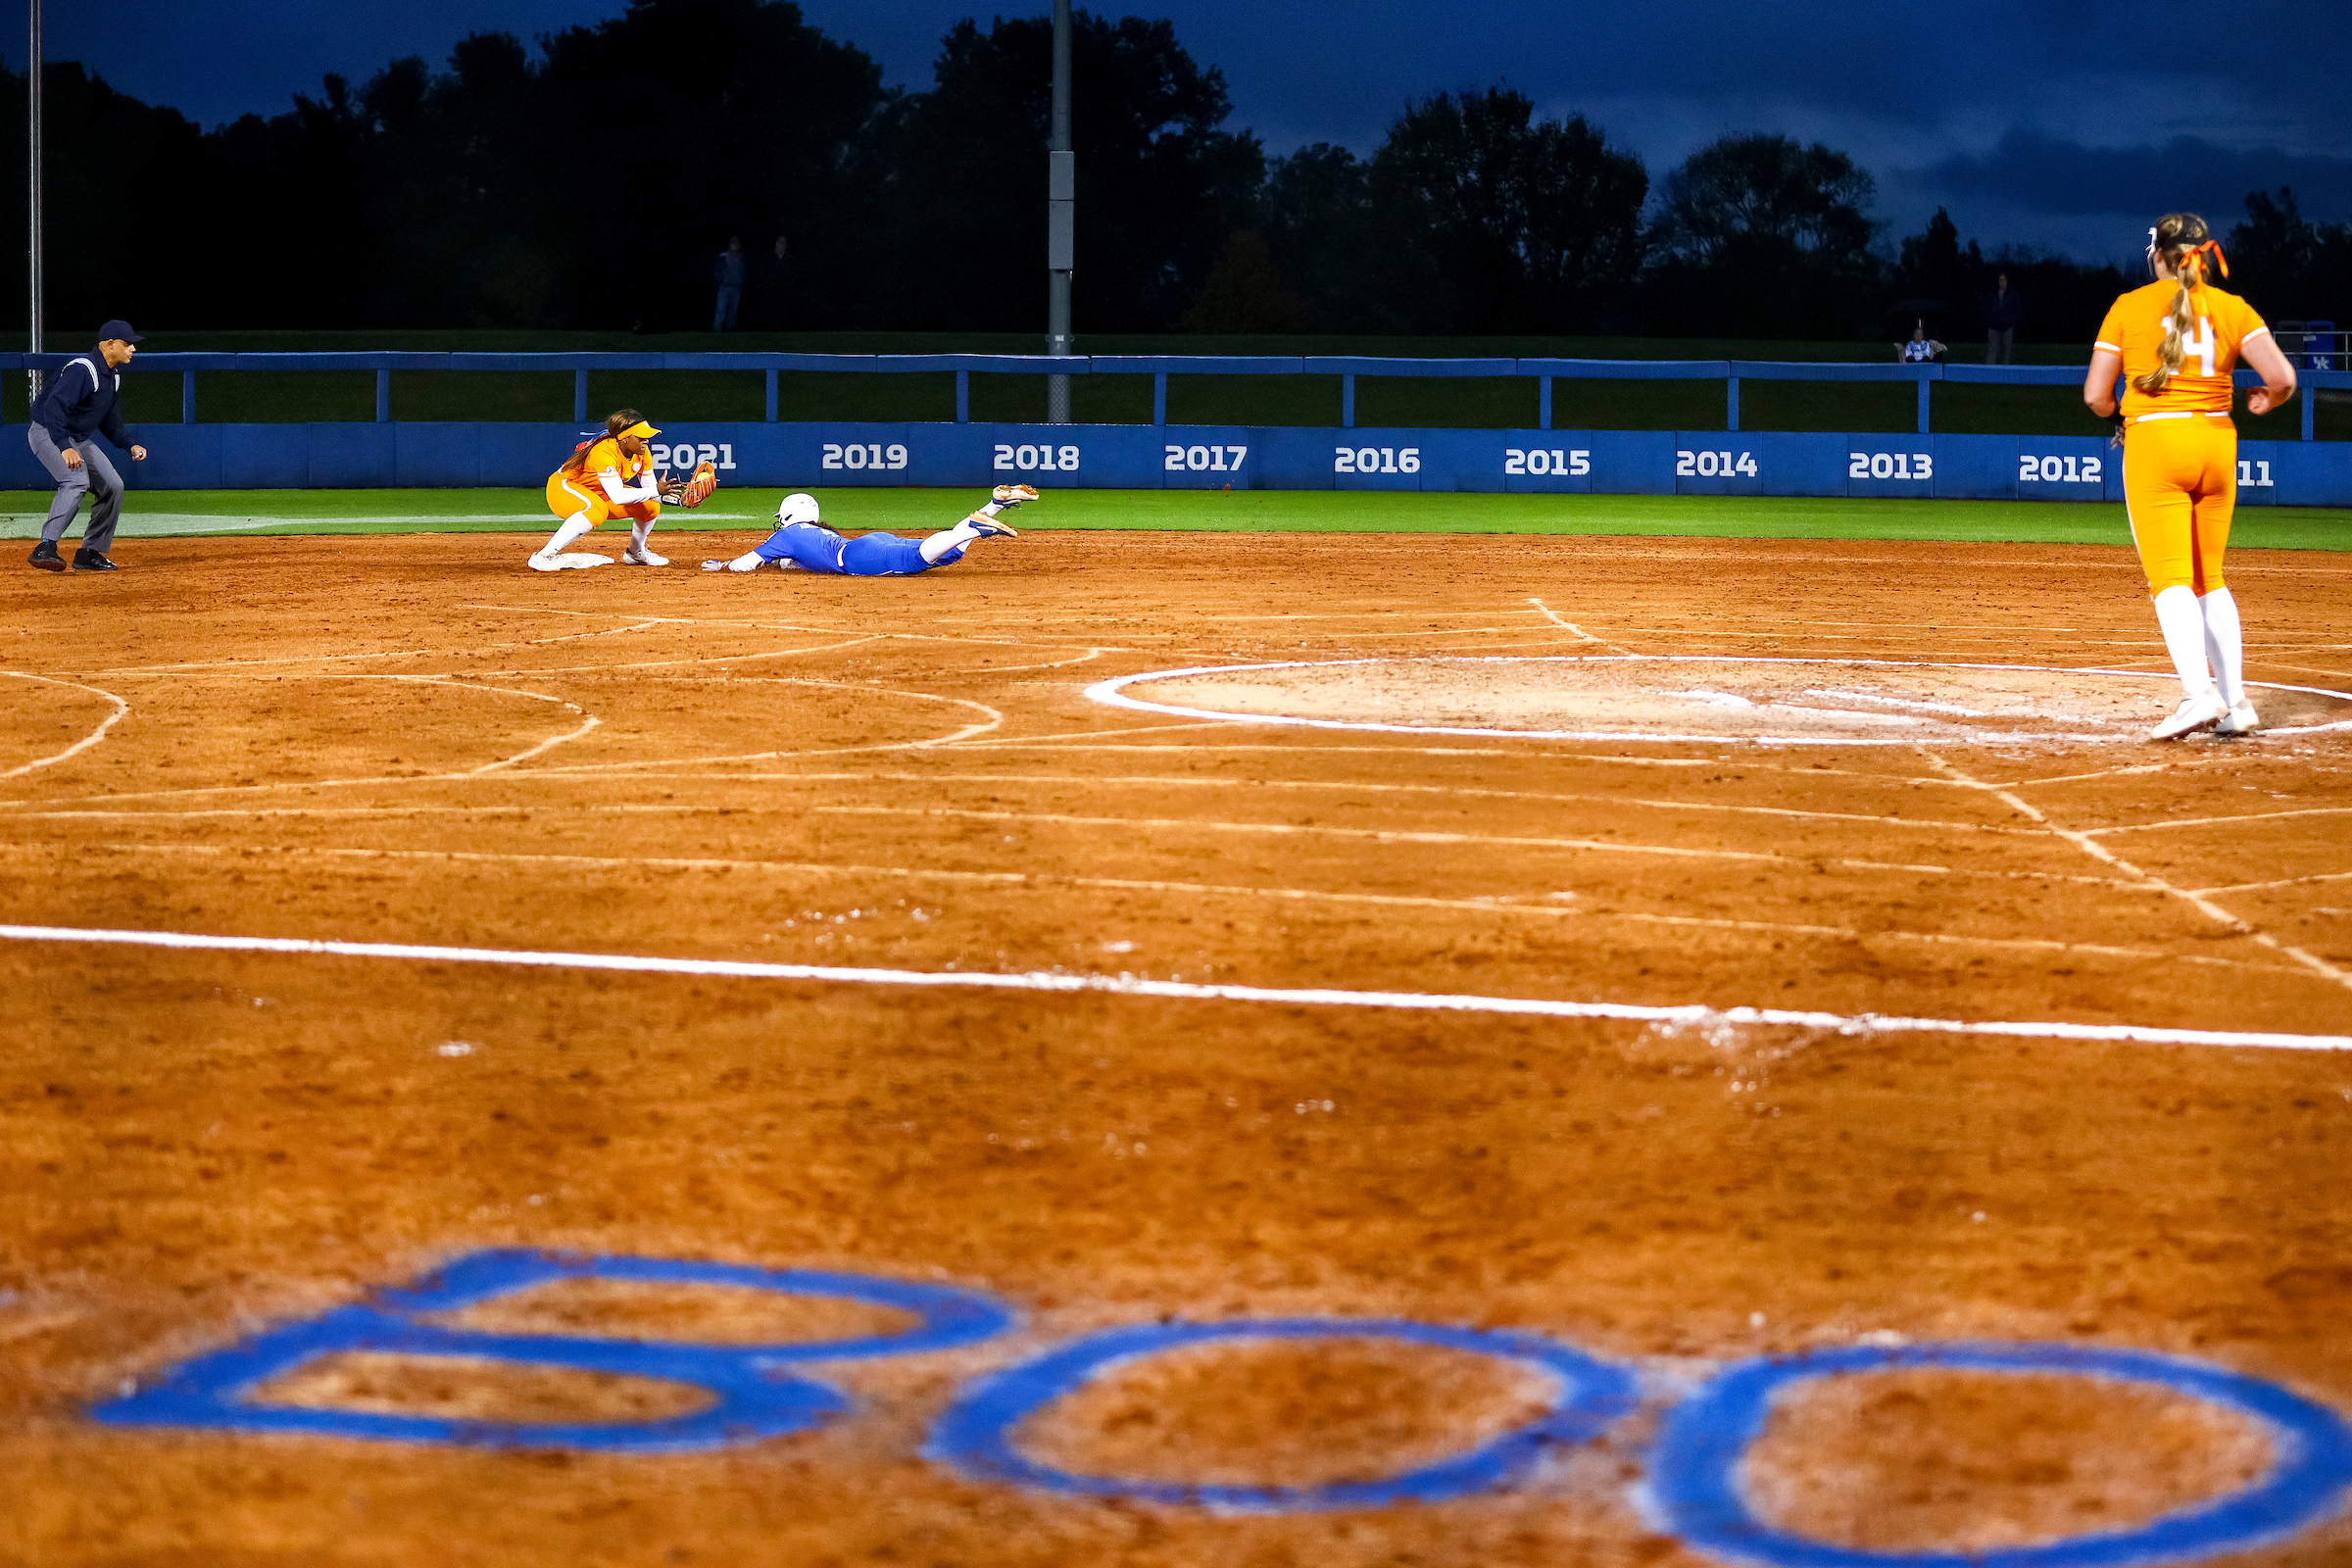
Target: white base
point(578, 561)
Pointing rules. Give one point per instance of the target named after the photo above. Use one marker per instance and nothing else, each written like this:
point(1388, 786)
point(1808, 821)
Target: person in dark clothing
point(730, 272)
point(2004, 310)
point(77, 404)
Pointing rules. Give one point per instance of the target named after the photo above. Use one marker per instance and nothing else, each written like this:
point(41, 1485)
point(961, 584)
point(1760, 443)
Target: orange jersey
point(606, 458)
point(2134, 330)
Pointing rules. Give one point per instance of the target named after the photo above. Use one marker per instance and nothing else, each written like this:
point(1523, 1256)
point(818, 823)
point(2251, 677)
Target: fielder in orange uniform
point(2175, 341)
point(610, 476)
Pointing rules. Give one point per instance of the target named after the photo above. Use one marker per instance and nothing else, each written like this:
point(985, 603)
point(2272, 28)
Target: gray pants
point(1997, 340)
point(96, 477)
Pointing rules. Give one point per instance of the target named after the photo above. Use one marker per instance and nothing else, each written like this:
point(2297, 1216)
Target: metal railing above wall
point(1159, 367)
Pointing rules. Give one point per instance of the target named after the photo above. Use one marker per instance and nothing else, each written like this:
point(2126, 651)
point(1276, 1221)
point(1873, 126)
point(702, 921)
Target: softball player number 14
point(2175, 341)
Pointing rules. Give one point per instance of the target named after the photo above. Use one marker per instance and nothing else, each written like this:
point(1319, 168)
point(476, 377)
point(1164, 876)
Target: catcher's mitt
point(698, 489)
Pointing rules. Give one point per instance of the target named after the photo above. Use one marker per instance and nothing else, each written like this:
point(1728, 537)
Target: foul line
point(1187, 991)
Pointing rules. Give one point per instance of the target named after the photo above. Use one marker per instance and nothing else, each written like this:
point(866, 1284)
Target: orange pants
point(567, 494)
point(2179, 489)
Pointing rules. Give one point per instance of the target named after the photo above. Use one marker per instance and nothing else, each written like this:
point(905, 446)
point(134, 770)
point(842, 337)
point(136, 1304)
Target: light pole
point(1062, 205)
point(34, 183)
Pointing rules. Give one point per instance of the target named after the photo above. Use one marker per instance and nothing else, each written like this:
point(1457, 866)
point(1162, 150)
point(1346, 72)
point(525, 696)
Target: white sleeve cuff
point(2251, 336)
point(2112, 348)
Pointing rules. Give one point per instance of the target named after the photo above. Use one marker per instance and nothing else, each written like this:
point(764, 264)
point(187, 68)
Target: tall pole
point(1062, 205)
point(34, 184)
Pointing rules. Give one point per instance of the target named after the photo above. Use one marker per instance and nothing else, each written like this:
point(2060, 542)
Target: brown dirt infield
point(413, 739)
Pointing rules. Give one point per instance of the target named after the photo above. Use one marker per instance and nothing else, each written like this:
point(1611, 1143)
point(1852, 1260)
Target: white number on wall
point(2254, 474)
point(1028, 459)
point(2033, 469)
point(1208, 460)
point(1714, 465)
point(1538, 461)
point(686, 455)
point(863, 454)
point(1889, 466)
point(1376, 459)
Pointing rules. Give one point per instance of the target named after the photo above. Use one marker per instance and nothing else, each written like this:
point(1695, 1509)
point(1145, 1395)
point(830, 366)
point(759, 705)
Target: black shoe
point(44, 556)
point(92, 560)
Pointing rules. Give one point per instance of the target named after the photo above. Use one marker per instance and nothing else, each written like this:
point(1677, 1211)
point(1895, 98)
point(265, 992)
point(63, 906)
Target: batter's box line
point(1687, 1015)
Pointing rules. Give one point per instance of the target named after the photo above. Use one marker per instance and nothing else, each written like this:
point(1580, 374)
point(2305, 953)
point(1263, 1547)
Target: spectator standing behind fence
point(77, 404)
point(2004, 310)
point(728, 272)
point(1921, 349)
point(771, 293)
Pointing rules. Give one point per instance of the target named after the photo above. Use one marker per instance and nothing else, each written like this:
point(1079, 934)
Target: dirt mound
point(1704, 697)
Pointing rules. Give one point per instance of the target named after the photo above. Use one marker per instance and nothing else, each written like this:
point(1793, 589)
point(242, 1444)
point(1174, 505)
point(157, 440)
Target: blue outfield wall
point(1129, 456)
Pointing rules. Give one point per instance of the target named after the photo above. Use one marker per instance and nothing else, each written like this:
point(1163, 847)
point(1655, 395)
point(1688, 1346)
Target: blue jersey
point(815, 548)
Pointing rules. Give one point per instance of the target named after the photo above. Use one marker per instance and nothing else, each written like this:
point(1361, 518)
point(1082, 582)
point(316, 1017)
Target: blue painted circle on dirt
point(947, 1315)
point(975, 1432)
point(750, 1396)
point(1695, 1464)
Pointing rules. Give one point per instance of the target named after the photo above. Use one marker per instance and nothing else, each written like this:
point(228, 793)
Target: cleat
point(1012, 495)
point(714, 565)
point(44, 556)
point(2194, 714)
point(92, 560)
point(990, 527)
point(638, 556)
point(2241, 719)
point(544, 563)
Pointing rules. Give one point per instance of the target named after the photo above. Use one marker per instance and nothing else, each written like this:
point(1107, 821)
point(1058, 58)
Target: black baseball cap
point(117, 330)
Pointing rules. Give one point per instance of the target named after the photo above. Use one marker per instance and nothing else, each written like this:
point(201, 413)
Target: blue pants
point(872, 555)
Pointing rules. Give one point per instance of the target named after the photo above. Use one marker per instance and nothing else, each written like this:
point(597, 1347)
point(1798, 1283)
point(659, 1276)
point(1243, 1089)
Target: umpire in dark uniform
point(79, 404)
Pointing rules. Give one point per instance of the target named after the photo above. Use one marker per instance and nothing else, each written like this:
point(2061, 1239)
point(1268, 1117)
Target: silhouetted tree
point(1323, 238)
point(2290, 267)
point(1160, 185)
point(1496, 220)
point(1761, 236)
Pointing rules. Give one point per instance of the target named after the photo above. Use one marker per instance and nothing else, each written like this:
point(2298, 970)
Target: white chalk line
point(233, 667)
point(1179, 781)
point(2219, 821)
point(704, 660)
point(1558, 620)
point(2281, 882)
point(1188, 991)
point(1052, 882)
point(1112, 693)
point(1078, 781)
point(1407, 835)
point(2194, 900)
point(82, 745)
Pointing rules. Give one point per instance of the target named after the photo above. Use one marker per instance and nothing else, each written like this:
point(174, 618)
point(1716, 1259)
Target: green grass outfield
point(157, 513)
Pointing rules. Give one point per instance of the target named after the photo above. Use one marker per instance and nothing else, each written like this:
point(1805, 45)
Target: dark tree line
point(590, 183)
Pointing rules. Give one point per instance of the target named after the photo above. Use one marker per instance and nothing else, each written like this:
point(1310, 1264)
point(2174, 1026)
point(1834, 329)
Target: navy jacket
point(80, 399)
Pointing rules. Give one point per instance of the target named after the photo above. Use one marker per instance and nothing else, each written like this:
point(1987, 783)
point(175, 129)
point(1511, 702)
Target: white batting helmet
point(797, 507)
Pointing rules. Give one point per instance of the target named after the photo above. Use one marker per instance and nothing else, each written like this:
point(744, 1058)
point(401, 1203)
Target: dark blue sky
point(2063, 124)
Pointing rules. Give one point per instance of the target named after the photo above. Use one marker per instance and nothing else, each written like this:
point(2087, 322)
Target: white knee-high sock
point(639, 532)
point(939, 544)
point(2184, 626)
point(2225, 644)
point(573, 526)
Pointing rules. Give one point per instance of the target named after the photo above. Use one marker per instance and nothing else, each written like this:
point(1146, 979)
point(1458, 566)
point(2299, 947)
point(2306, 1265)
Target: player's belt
point(2183, 414)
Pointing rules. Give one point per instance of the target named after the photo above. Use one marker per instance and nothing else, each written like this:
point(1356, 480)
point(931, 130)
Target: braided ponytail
point(2178, 238)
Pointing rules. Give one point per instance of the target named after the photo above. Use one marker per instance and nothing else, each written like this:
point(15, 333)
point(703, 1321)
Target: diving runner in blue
point(802, 543)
